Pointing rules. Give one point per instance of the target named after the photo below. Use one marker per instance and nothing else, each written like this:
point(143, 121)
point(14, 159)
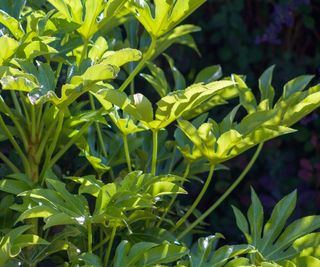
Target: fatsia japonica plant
point(91, 167)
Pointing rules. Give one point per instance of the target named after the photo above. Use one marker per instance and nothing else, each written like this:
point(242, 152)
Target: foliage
point(65, 68)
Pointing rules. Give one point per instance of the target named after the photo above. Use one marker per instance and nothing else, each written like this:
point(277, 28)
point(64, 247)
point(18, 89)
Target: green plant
point(64, 73)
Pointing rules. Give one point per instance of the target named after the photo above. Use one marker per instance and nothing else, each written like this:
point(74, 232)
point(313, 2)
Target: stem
point(126, 151)
point(15, 145)
point(9, 163)
point(154, 151)
point(99, 133)
point(26, 113)
point(69, 144)
point(84, 51)
point(58, 72)
point(198, 199)
point(21, 132)
point(141, 64)
point(52, 147)
point(44, 140)
point(225, 195)
point(16, 102)
point(172, 161)
point(185, 175)
point(33, 124)
point(113, 234)
point(89, 226)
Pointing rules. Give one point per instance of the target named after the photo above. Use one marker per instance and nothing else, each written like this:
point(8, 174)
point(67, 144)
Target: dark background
point(246, 37)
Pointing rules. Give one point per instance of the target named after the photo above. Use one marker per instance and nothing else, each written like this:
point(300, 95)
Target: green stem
point(84, 51)
point(39, 118)
point(185, 175)
point(25, 110)
point(53, 127)
point(69, 144)
point(52, 147)
point(198, 199)
point(33, 124)
point(141, 64)
point(16, 102)
point(126, 151)
point(15, 145)
point(154, 151)
point(9, 163)
point(89, 229)
point(58, 72)
point(21, 132)
point(113, 234)
point(225, 195)
point(99, 132)
point(172, 161)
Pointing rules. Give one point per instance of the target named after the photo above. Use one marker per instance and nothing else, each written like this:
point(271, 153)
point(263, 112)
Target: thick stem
point(52, 147)
point(198, 199)
point(154, 151)
point(113, 234)
point(126, 151)
point(141, 64)
point(225, 195)
point(185, 175)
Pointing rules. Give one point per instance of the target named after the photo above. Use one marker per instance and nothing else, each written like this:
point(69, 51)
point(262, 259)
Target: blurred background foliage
point(246, 37)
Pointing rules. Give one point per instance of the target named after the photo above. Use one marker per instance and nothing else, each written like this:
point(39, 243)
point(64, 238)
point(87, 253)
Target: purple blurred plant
point(282, 17)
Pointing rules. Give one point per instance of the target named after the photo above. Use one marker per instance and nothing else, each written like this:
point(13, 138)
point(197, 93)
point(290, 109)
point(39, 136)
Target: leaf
point(18, 84)
point(8, 47)
point(179, 35)
point(165, 188)
point(157, 79)
point(89, 27)
point(121, 57)
point(201, 252)
point(280, 214)
point(266, 89)
point(98, 49)
point(11, 24)
point(38, 48)
point(179, 80)
point(209, 74)
point(295, 85)
point(255, 218)
point(98, 72)
point(167, 14)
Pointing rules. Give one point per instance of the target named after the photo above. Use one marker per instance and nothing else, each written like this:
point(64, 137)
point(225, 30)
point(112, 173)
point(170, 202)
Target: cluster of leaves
point(64, 70)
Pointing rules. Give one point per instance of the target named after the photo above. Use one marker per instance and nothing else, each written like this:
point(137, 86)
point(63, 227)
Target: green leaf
point(201, 252)
point(98, 49)
point(121, 57)
point(157, 79)
point(11, 24)
point(255, 218)
point(241, 221)
point(266, 89)
point(209, 74)
point(89, 27)
point(179, 80)
point(18, 83)
point(8, 48)
point(295, 85)
point(98, 72)
point(278, 218)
